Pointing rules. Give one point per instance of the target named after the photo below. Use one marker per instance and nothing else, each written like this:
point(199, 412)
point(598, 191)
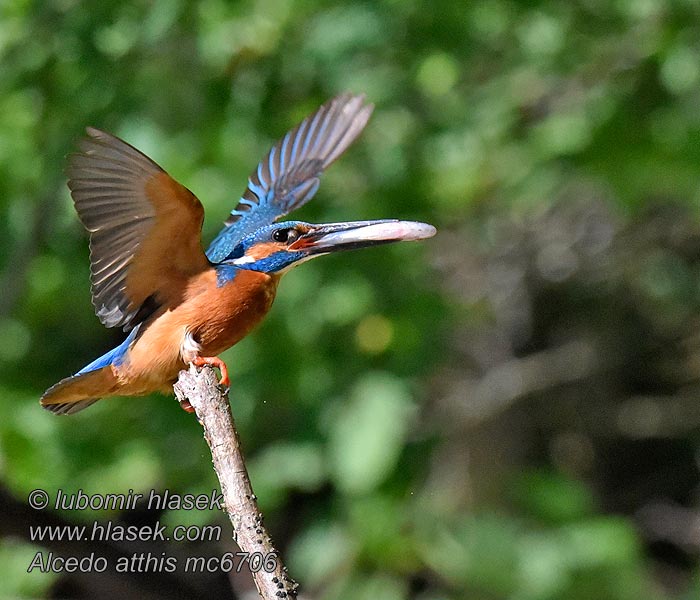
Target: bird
point(179, 304)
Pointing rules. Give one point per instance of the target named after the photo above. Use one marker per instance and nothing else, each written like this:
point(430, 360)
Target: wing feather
point(144, 227)
point(288, 176)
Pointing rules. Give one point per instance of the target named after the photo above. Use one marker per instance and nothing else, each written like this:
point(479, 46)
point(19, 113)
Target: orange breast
point(222, 316)
point(215, 317)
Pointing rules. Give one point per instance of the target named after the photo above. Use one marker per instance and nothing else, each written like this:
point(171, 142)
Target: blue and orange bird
point(150, 275)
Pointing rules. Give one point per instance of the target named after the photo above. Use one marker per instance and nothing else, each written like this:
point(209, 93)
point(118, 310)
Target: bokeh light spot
point(437, 74)
point(15, 340)
point(374, 334)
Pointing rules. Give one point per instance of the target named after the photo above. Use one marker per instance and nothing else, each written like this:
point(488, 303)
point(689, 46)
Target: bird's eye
point(280, 235)
point(285, 235)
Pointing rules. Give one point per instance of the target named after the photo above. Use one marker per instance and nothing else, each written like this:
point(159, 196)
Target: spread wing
point(144, 229)
point(288, 176)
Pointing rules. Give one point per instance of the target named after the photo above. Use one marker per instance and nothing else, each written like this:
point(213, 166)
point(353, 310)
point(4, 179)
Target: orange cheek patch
point(264, 250)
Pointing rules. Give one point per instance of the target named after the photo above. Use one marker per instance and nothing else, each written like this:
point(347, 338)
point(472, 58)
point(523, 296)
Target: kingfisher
point(150, 275)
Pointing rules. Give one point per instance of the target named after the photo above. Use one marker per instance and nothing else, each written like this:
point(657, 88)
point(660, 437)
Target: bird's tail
point(73, 394)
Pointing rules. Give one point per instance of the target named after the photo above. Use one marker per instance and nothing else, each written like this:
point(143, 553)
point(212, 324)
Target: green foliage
point(487, 415)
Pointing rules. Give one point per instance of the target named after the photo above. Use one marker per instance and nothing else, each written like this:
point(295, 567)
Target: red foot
point(214, 361)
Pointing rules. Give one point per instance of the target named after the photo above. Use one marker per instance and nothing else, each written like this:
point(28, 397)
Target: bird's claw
point(214, 361)
point(186, 406)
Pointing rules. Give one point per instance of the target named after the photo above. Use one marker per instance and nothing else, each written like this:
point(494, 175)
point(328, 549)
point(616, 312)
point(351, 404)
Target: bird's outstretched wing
point(288, 176)
point(145, 229)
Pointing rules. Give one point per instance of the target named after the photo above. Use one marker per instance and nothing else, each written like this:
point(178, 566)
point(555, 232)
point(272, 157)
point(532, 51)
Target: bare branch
point(211, 404)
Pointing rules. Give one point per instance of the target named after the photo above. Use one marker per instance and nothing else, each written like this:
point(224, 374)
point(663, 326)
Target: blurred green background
point(507, 411)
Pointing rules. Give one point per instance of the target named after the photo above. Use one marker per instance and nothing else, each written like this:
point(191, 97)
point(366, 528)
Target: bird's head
point(276, 248)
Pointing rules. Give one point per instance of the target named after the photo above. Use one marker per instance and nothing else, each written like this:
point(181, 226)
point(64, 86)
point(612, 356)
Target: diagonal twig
point(211, 405)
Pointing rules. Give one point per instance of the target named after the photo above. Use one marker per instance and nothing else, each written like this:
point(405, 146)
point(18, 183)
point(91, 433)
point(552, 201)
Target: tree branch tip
point(201, 388)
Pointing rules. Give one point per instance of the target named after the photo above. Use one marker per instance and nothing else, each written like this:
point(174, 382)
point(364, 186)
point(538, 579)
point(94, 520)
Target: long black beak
point(322, 239)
